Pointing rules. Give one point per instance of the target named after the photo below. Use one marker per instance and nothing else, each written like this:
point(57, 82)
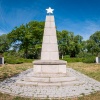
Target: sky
point(79, 16)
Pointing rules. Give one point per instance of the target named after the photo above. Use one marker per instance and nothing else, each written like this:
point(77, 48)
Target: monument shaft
point(49, 45)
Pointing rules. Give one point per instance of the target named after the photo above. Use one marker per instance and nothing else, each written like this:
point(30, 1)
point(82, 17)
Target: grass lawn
point(9, 70)
point(92, 70)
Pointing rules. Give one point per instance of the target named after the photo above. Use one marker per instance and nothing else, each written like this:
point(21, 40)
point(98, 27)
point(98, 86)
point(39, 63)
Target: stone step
point(61, 83)
point(73, 83)
point(49, 62)
point(49, 79)
point(47, 75)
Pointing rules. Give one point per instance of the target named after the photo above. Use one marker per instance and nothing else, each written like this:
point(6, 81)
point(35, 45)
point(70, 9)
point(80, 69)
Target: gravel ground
point(90, 86)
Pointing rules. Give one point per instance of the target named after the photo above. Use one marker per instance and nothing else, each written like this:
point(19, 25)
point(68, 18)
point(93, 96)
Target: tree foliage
point(26, 37)
point(26, 41)
point(68, 43)
point(4, 43)
point(93, 44)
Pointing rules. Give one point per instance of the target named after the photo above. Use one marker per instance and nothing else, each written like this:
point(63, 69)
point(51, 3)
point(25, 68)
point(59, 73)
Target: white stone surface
point(37, 68)
point(49, 45)
point(53, 39)
point(54, 56)
point(2, 60)
point(49, 84)
point(36, 79)
point(48, 80)
point(48, 31)
point(50, 18)
point(53, 62)
point(49, 24)
point(49, 69)
point(50, 40)
point(45, 55)
point(97, 59)
point(46, 39)
point(62, 69)
point(63, 79)
point(49, 56)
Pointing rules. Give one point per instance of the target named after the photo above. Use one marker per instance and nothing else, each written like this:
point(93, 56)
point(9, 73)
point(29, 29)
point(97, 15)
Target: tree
point(68, 43)
point(93, 44)
point(4, 43)
point(62, 42)
point(75, 44)
point(27, 36)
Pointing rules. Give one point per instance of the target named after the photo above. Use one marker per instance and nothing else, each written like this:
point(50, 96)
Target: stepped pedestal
point(49, 70)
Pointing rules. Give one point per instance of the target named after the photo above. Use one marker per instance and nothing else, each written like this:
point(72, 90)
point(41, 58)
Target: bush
point(16, 60)
point(86, 59)
point(90, 59)
point(73, 59)
point(27, 60)
point(13, 60)
point(84, 55)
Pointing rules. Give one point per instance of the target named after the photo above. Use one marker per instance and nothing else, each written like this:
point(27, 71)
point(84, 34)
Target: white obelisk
point(49, 45)
point(49, 62)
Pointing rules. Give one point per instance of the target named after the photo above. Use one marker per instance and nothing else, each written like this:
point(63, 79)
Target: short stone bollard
point(1, 60)
point(97, 59)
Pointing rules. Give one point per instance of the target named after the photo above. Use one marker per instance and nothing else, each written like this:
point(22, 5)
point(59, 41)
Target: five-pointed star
point(49, 10)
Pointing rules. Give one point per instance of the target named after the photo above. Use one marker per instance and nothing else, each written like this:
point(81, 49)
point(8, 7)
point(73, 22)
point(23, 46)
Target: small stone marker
point(1, 60)
point(97, 59)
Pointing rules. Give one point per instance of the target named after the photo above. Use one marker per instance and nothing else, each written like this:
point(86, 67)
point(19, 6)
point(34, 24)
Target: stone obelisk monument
point(49, 62)
point(49, 70)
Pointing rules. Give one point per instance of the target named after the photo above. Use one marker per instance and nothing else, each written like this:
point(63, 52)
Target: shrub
point(90, 59)
point(12, 60)
point(73, 59)
point(16, 60)
point(84, 54)
point(86, 59)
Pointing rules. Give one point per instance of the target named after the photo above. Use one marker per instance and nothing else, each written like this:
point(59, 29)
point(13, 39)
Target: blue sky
point(79, 16)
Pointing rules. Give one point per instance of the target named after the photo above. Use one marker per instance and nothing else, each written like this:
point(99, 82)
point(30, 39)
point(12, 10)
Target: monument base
point(49, 73)
point(49, 67)
point(33, 79)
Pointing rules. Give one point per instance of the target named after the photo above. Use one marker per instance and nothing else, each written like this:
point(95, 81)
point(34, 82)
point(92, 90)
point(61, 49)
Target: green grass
point(92, 70)
point(9, 70)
